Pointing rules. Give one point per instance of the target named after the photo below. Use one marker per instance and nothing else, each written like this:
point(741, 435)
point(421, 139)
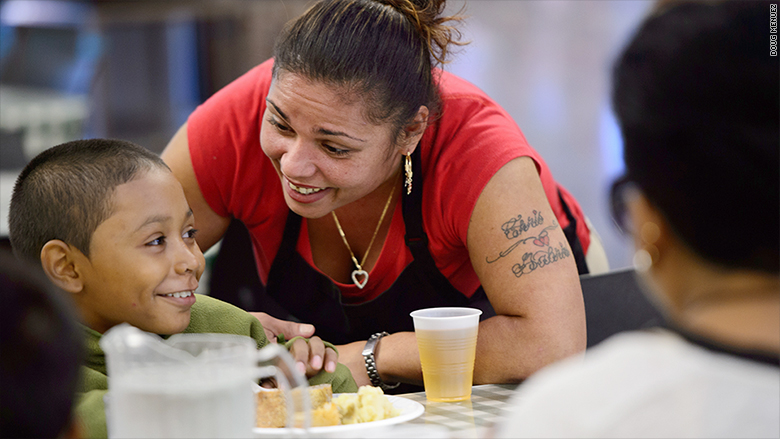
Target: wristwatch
point(368, 357)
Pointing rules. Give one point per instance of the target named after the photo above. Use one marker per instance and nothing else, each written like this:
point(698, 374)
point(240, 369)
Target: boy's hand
point(311, 356)
point(273, 327)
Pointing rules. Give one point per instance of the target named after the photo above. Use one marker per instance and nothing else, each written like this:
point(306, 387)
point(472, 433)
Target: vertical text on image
point(773, 29)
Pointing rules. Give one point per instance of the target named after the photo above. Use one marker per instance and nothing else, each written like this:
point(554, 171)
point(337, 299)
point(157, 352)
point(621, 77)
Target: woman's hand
point(274, 327)
point(311, 355)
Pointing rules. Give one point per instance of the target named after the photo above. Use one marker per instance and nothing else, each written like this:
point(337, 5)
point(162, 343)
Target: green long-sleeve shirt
point(208, 315)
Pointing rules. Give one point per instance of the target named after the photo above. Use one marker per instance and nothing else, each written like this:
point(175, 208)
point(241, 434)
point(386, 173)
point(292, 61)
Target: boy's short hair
point(696, 95)
point(66, 192)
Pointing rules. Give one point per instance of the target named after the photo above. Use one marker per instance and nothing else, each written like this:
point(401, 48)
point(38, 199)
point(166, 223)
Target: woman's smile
point(303, 193)
point(304, 190)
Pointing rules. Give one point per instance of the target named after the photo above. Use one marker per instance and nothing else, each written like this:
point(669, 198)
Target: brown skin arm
point(210, 226)
point(541, 314)
point(534, 289)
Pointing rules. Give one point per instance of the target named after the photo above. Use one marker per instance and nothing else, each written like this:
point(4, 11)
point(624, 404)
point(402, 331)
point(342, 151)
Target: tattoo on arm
point(540, 240)
point(517, 226)
point(531, 260)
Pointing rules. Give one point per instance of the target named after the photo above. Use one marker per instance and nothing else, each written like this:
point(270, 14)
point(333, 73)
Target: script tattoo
point(540, 240)
point(517, 226)
point(542, 258)
point(545, 255)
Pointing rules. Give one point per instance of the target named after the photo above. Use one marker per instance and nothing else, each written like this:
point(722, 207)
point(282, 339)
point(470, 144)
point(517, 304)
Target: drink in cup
point(447, 341)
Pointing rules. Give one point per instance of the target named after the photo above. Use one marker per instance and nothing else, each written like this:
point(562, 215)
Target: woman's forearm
point(509, 349)
point(398, 359)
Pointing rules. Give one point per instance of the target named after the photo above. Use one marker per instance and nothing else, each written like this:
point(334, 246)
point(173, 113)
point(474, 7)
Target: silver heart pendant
point(355, 274)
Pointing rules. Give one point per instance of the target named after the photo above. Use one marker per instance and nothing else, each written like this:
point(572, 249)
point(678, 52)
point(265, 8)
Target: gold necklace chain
point(359, 271)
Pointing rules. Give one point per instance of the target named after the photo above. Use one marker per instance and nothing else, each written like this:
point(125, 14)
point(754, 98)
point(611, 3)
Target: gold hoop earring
point(408, 171)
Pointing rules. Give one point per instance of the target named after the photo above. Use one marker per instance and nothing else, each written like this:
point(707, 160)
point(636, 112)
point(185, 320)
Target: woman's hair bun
point(427, 17)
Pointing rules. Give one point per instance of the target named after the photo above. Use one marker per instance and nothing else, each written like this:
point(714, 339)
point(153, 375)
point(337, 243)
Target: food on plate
point(367, 405)
point(324, 416)
point(272, 409)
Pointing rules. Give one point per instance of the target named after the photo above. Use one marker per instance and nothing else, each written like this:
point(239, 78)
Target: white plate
point(409, 410)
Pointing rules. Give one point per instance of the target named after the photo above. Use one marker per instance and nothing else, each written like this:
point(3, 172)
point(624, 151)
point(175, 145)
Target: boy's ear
point(59, 261)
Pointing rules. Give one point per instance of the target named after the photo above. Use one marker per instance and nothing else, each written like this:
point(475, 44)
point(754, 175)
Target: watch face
point(370, 345)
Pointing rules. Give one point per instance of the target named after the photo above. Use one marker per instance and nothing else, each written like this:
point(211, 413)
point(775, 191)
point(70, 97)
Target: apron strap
point(574, 240)
point(417, 241)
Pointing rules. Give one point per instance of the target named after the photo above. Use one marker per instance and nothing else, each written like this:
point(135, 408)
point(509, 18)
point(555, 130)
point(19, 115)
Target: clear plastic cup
point(447, 341)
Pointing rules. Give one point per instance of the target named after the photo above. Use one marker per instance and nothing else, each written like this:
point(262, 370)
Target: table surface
point(466, 419)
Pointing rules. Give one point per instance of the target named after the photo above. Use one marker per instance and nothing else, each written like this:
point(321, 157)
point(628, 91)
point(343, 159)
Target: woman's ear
point(414, 131)
point(59, 261)
point(652, 233)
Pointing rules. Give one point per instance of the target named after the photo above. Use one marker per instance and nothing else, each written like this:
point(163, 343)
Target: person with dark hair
point(41, 351)
point(373, 184)
point(696, 97)
point(66, 192)
point(109, 224)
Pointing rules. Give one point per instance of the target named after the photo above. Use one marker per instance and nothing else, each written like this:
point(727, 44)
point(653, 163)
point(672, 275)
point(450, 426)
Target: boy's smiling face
point(142, 255)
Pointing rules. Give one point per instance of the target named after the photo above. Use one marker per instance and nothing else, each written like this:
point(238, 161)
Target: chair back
point(615, 302)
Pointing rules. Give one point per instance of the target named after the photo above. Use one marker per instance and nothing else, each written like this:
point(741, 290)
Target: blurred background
point(135, 70)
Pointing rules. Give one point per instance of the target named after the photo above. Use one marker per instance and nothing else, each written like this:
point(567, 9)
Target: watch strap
point(368, 357)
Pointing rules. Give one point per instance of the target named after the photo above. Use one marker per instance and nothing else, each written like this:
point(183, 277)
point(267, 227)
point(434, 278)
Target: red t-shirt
point(461, 151)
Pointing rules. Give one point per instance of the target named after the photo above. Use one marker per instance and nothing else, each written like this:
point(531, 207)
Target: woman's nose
point(298, 161)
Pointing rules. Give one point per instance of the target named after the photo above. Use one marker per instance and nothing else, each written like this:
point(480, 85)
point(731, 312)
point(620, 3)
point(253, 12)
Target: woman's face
point(325, 151)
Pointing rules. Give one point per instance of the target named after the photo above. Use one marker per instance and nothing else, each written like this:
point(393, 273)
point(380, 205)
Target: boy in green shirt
point(111, 226)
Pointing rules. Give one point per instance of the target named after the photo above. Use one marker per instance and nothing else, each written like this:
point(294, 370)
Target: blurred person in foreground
point(41, 349)
point(696, 96)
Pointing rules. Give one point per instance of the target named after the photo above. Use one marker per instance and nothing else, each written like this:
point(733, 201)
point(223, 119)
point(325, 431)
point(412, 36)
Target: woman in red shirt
point(373, 184)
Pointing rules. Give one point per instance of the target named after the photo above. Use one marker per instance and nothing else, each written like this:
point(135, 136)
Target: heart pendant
point(355, 274)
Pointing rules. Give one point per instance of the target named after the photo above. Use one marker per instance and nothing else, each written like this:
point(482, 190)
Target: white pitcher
point(191, 385)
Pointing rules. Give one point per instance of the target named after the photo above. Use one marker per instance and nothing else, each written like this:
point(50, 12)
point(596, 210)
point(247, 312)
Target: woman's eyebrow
point(336, 133)
point(277, 109)
point(320, 130)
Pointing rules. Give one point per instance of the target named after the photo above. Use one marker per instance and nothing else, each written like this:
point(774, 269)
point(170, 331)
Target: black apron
point(312, 297)
point(304, 294)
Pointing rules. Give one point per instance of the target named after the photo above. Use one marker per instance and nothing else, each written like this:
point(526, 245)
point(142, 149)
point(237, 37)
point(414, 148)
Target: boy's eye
point(190, 234)
point(156, 241)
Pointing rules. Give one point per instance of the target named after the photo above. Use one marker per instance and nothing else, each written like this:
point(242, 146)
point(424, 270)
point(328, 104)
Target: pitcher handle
point(273, 360)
